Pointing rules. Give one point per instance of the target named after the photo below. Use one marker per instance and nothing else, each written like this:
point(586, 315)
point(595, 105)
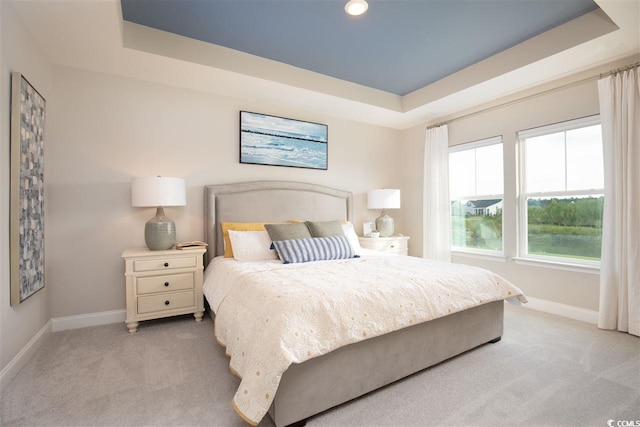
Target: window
point(562, 191)
point(476, 192)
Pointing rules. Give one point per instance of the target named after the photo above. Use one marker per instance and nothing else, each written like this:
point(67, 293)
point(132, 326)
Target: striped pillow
point(314, 249)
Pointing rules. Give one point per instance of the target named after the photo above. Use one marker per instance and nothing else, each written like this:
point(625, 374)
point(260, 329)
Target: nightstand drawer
point(170, 282)
point(164, 263)
point(398, 245)
point(169, 301)
point(382, 244)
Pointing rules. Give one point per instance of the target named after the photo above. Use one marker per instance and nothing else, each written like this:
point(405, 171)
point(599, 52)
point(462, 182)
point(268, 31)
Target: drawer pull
point(392, 246)
point(166, 264)
point(166, 283)
point(166, 302)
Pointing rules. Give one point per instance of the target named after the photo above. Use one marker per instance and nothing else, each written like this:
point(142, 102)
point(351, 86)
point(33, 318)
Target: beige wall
point(19, 53)
point(108, 129)
point(566, 287)
point(412, 159)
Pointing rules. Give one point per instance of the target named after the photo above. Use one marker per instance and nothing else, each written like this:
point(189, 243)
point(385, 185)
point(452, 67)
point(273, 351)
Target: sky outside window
point(562, 161)
point(584, 159)
point(476, 171)
point(545, 163)
point(489, 176)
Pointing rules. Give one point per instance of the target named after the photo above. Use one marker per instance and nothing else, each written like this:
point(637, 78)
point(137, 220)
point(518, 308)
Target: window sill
point(579, 268)
point(489, 256)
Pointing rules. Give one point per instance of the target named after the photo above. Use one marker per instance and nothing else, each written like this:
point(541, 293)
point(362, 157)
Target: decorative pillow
point(325, 228)
point(251, 245)
point(238, 226)
point(350, 232)
point(288, 231)
point(314, 249)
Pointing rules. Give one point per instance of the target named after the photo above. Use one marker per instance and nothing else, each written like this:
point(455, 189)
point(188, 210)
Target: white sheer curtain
point(620, 266)
point(437, 206)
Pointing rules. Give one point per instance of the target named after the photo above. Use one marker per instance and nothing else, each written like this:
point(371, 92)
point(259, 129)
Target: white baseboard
point(55, 325)
point(17, 363)
point(85, 320)
point(564, 310)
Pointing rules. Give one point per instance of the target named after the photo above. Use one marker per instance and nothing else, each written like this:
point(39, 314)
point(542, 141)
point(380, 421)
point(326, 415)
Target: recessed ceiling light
point(356, 7)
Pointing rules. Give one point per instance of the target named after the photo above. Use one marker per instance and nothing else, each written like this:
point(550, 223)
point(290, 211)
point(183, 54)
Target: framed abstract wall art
point(26, 210)
point(276, 141)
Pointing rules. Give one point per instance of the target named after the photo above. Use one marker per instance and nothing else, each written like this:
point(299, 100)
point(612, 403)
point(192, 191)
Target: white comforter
point(270, 315)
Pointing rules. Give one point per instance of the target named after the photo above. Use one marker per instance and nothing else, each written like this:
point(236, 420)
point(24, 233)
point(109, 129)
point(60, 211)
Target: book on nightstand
point(191, 245)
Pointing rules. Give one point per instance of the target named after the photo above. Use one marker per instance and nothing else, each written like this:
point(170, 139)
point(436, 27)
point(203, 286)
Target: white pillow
point(251, 245)
point(353, 237)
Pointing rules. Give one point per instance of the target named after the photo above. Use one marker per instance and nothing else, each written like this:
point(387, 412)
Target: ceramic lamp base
point(384, 224)
point(160, 232)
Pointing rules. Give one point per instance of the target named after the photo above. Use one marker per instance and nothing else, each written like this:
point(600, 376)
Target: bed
point(326, 380)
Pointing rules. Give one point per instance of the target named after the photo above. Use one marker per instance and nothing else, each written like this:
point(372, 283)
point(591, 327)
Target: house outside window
point(476, 191)
point(562, 192)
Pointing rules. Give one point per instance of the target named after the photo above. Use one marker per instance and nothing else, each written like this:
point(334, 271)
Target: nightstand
point(394, 245)
point(162, 284)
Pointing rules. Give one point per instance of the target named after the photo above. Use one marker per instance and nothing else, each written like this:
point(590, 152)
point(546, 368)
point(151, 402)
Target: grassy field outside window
point(477, 231)
point(565, 227)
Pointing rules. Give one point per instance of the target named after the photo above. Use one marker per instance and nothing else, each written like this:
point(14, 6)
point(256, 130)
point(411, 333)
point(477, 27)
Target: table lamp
point(158, 191)
point(384, 199)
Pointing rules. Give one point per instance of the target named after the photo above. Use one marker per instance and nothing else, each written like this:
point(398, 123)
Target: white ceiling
point(90, 34)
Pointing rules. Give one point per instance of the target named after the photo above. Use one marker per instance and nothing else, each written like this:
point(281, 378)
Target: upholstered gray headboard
point(270, 201)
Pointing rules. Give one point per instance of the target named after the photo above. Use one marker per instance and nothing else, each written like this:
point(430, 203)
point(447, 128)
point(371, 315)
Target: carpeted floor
point(546, 371)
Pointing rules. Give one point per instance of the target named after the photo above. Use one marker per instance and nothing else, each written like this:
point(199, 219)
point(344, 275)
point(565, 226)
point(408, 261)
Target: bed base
point(327, 381)
point(321, 383)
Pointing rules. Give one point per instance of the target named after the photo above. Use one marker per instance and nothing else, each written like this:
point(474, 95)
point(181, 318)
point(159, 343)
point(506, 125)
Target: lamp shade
point(158, 191)
point(385, 198)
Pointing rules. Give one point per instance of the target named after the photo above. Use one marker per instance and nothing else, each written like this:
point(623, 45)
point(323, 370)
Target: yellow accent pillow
point(237, 226)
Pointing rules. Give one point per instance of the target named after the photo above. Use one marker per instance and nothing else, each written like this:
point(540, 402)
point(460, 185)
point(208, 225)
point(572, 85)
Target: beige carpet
point(546, 371)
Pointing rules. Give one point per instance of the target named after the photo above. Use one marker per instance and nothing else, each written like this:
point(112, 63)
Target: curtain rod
point(524, 98)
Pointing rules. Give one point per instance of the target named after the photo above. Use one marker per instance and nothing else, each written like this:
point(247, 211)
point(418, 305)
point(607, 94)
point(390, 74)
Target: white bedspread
point(270, 315)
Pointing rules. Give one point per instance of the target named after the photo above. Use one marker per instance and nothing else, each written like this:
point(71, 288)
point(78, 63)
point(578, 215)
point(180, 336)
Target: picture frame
point(367, 228)
point(278, 141)
point(26, 206)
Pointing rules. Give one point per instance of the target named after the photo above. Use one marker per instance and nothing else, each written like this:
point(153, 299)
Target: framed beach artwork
point(276, 141)
point(26, 207)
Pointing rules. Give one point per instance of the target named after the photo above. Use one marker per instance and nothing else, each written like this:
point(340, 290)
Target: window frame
point(523, 214)
point(472, 145)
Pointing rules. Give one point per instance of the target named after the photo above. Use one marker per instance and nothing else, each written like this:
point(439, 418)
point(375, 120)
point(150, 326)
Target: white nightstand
point(162, 284)
point(395, 244)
